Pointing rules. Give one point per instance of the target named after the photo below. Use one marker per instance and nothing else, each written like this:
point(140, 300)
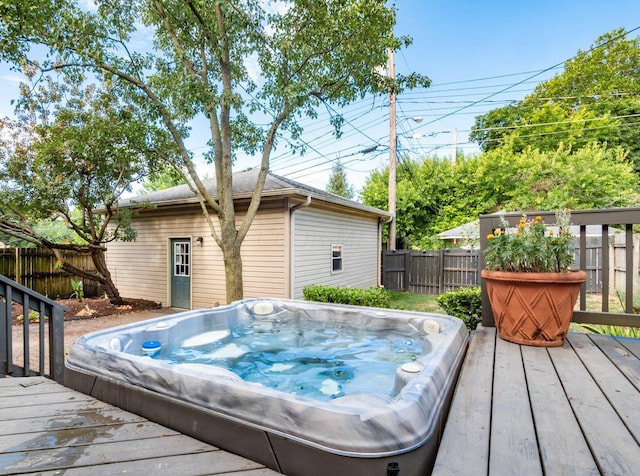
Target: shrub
point(34, 316)
point(465, 303)
point(78, 289)
point(372, 297)
point(619, 331)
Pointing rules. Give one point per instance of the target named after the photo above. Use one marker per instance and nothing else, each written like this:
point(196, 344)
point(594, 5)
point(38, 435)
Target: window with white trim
point(336, 258)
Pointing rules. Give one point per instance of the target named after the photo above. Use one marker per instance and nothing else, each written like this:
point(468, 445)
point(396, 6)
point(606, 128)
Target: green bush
point(465, 303)
point(372, 297)
point(619, 331)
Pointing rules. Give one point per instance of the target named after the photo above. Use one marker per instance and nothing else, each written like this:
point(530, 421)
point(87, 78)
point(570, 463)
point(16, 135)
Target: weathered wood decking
point(524, 410)
point(48, 429)
point(517, 410)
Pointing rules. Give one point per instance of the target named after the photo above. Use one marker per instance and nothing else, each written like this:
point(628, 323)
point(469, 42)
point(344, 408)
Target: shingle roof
point(243, 184)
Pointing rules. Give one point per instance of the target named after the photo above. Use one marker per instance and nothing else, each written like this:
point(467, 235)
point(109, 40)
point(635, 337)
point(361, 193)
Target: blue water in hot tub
point(321, 360)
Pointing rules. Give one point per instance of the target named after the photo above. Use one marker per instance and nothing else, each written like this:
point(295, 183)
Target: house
point(468, 235)
point(300, 236)
point(464, 236)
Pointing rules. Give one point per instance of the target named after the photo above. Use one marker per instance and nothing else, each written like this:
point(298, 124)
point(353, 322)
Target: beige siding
point(314, 231)
point(141, 268)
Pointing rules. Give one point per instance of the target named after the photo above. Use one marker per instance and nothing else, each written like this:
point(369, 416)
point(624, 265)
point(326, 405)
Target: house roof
point(468, 230)
point(243, 185)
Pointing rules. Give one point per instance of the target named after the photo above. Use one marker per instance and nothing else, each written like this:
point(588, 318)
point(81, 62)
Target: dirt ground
point(87, 316)
point(97, 307)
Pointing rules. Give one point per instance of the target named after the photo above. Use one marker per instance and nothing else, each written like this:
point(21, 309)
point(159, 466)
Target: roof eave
point(287, 192)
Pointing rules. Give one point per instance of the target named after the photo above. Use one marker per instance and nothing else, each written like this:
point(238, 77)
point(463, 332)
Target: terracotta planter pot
point(533, 308)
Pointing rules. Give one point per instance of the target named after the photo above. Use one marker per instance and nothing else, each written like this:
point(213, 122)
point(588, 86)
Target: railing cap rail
point(618, 216)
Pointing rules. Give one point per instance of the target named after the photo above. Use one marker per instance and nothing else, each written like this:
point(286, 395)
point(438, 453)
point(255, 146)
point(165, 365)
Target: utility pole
point(393, 142)
point(455, 146)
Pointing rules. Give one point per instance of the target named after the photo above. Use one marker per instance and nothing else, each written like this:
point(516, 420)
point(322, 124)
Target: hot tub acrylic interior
point(286, 383)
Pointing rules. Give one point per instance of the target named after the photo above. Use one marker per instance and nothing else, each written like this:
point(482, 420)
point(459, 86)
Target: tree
point(423, 188)
point(202, 65)
point(595, 99)
point(73, 151)
point(162, 179)
point(434, 195)
point(338, 184)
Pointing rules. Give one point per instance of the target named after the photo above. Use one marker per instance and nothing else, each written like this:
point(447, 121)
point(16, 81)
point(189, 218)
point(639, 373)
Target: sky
point(479, 55)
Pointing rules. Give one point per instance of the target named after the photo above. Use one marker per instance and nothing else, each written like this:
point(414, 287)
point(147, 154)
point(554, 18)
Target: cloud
point(12, 78)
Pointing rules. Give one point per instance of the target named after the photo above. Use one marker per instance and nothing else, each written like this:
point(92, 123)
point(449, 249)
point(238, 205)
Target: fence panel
point(439, 271)
point(424, 274)
point(395, 266)
point(460, 269)
point(430, 271)
point(36, 268)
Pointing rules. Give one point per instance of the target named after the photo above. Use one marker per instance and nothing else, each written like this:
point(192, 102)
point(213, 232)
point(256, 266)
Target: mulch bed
point(90, 308)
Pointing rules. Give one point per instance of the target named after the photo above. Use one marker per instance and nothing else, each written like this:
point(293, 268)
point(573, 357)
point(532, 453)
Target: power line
point(593, 48)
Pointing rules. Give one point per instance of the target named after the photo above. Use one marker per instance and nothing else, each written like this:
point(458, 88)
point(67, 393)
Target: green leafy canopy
point(250, 68)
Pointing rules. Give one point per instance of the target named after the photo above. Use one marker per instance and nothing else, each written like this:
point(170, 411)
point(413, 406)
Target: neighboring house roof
point(243, 185)
point(468, 230)
point(471, 230)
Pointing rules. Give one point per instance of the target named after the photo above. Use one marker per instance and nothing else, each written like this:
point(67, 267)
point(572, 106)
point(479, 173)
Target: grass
point(414, 302)
point(594, 303)
point(428, 303)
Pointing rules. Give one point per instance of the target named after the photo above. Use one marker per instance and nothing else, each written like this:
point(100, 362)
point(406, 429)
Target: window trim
point(182, 259)
point(337, 248)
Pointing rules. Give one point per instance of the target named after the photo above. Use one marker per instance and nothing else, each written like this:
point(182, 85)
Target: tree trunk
point(99, 261)
point(103, 276)
point(233, 272)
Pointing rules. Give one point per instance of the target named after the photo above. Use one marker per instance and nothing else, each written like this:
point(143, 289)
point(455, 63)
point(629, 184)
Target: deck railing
point(620, 220)
point(49, 331)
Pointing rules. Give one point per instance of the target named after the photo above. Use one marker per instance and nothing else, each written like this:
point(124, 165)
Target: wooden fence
point(438, 271)
point(36, 268)
point(430, 271)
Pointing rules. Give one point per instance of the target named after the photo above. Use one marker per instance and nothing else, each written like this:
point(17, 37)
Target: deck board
point(562, 447)
point(470, 413)
point(49, 429)
point(612, 446)
point(581, 400)
point(512, 420)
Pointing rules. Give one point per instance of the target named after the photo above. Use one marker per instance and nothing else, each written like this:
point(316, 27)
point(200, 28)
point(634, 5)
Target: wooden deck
point(49, 429)
point(525, 410)
point(517, 410)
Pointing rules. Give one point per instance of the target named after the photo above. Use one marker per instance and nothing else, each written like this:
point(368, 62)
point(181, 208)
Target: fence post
point(17, 271)
point(442, 271)
point(407, 271)
point(5, 332)
point(486, 227)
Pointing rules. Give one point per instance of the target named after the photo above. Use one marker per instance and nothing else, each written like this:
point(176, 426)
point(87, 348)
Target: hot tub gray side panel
point(188, 419)
point(293, 458)
point(296, 459)
point(300, 460)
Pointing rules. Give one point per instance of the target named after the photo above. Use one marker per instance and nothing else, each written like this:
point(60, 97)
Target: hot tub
point(299, 408)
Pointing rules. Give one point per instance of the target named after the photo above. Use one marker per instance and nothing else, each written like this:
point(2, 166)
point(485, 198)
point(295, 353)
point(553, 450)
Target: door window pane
point(181, 258)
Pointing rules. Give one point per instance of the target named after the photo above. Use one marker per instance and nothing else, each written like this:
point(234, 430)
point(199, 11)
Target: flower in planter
point(531, 247)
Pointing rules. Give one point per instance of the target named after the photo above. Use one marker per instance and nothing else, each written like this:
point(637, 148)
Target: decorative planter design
point(533, 308)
